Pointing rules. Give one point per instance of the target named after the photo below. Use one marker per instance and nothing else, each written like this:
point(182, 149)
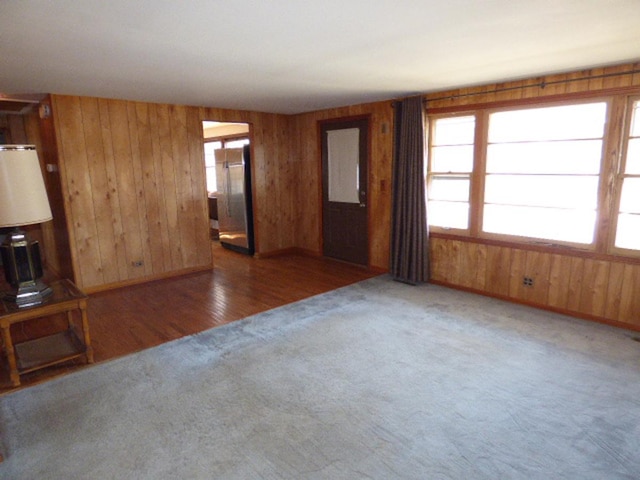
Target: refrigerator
point(235, 215)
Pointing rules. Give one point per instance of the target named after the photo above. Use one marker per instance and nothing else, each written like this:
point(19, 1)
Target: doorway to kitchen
point(227, 154)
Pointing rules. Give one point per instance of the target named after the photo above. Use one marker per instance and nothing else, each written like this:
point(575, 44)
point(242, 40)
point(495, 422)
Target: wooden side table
point(52, 349)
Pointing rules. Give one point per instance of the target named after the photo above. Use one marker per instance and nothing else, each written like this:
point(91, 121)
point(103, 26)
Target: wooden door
point(345, 155)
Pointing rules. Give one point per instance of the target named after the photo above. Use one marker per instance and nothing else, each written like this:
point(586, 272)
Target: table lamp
point(23, 201)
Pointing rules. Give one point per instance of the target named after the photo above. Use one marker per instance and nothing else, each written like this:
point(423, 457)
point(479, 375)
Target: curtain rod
point(541, 84)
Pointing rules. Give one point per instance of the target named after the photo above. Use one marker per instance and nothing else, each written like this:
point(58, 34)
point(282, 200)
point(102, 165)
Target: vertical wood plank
point(141, 200)
point(161, 227)
point(559, 279)
point(107, 272)
point(518, 270)
point(169, 185)
point(148, 187)
point(538, 265)
point(498, 268)
point(112, 192)
point(575, 284)
point(79, 197)
point(183, 187)
point(200, 208)
point(594, 287)
point(125, 179)
point(614, 291)
point(467, 264)
point(438, 259)
point(629, 298)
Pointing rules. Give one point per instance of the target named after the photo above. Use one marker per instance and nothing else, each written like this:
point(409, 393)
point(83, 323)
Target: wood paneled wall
point(566, 84)
point(133, 177)
point(600, 287)
point(134, 187)
point(308, 181)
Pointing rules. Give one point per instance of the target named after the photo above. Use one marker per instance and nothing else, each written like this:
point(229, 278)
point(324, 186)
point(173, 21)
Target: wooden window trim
point(617, 176)
point(431, 124)
point(615, 142)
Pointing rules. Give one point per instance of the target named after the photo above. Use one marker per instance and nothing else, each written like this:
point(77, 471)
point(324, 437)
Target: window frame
point(430, 175)
point(619, 177)
point(615, 137)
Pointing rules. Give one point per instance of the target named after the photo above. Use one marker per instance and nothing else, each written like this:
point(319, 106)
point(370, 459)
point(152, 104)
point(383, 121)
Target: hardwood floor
point(130, 319)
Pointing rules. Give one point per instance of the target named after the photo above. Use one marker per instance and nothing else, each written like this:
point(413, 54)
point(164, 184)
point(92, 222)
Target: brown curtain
point(409, 235)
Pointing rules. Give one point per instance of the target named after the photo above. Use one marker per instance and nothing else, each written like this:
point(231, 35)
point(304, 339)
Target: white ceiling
point(291, 56)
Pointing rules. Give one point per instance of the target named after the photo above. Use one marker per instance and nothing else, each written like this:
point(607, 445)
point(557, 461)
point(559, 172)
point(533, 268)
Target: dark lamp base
point(23, 269)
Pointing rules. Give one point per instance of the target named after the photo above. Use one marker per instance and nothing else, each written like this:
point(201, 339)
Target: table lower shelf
point(46, 351)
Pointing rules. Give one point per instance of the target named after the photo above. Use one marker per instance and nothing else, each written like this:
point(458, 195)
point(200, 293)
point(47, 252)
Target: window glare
point(449, 188)
point(448, 214)
point(210, 164)
point(454, 131)
point(236, 143)
point(543, 190)
point(627, 232)
point(630, 198)
point(543, 223)
point(452, 159)
point(632, 166)
point(635, 126)
point(579, 157)
point(550, 123)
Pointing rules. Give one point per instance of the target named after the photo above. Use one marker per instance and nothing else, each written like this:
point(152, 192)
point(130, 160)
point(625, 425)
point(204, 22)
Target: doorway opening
point(227, 154)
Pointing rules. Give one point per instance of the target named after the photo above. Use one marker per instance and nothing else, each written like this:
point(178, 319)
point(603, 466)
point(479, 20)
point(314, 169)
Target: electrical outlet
point(137, 263)
point(527, 281)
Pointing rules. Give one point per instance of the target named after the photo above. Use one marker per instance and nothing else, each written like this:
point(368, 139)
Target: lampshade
point(23, 198)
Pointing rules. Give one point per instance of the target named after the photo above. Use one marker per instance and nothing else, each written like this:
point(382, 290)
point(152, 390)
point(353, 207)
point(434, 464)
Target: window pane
point(454, 131)
point(633, 157)
point(550, 123)
point(449, 188)
point(448, 214)
point(630, 198)
point(545, 157)
point(628, 232)
point(635, 125)
point(211, 179)
point(343, 161)
point(544, 223)
point(452, 159)
point(209, 155)
point(236, 143)
point(559, 191)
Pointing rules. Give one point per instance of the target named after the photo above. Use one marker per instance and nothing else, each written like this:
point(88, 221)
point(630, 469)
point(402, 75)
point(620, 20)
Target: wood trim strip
point(148, 278)
point(567, 251)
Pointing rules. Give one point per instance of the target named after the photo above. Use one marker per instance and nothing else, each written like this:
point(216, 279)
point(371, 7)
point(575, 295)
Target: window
point(210, 164)
point(628, 224)
point(542, 172)
point(236, 143)
point(449, 173)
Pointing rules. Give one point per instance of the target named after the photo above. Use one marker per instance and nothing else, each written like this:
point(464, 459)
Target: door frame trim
point(319, 126)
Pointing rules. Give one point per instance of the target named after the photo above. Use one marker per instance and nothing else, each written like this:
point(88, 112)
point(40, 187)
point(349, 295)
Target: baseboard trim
point(145, 279)
point(288, 251)
point(562, 311)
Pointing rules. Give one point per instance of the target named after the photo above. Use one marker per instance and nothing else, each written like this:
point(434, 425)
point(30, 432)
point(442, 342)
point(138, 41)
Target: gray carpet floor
point(378, 380)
